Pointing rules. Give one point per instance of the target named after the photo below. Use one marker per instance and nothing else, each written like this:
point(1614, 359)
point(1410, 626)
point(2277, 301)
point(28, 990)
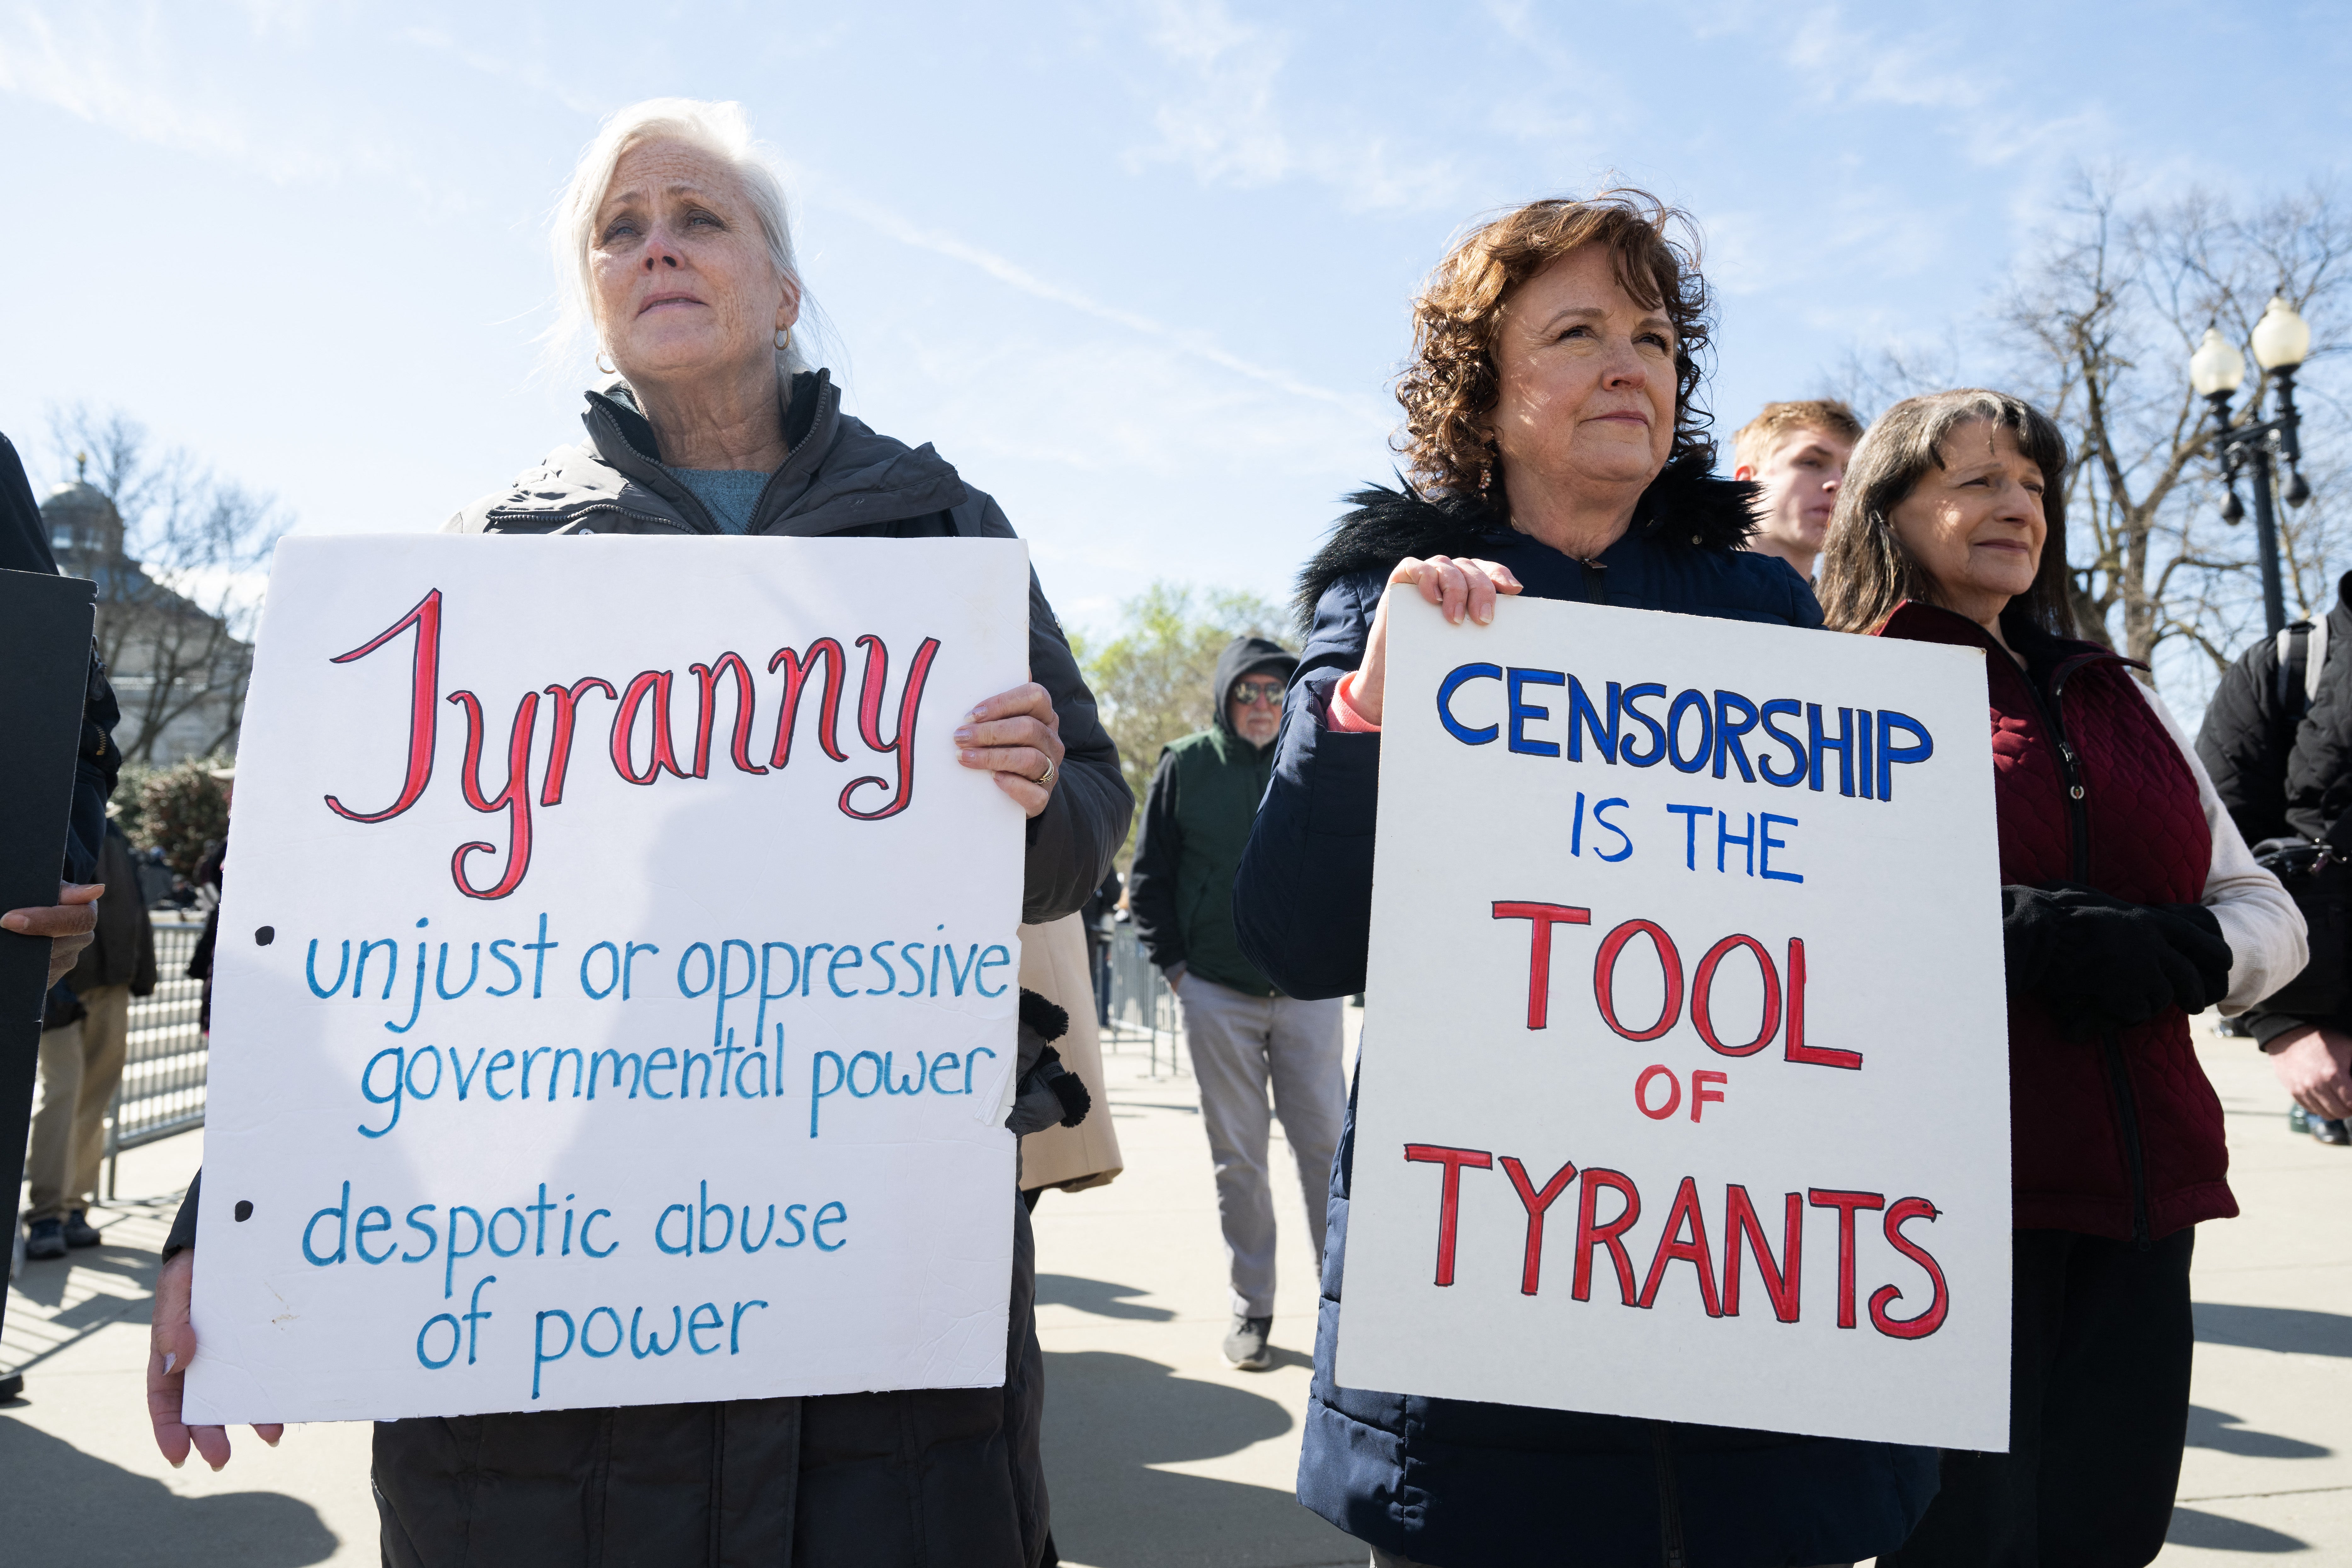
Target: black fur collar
point(1686, 502)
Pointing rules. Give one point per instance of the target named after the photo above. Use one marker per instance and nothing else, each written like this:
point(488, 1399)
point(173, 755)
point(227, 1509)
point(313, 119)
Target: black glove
point(1047, 1093)
point(2099, 961)
point(1050, 1095)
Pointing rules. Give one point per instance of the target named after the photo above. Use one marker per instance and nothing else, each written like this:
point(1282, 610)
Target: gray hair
point(719, 129)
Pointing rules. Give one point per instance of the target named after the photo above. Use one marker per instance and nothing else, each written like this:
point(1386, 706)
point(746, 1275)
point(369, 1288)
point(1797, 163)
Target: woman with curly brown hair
point(1557, 448)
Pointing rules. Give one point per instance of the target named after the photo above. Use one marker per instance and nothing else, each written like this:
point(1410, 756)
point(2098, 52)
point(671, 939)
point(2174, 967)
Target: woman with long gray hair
point(673, 246)
point(2128, 901)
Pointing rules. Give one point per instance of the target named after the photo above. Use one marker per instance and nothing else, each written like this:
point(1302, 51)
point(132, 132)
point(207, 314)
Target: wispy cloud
point(1864, 230)
point(1842, 63)
point(1194, 344)
point(526, 70)
point(132, 80)
point(1222, 118)
point(173, 81)
point(1983, 103)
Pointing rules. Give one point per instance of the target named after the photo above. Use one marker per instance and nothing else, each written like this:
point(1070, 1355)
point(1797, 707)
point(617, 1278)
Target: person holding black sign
point(1558, 449)
point(2277, 739)
point(2128, 902)
point(673, 241)
point(70, 923)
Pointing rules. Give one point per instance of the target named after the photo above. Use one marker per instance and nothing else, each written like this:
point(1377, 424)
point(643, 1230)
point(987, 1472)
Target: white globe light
point(2282, 338)
point(2217, 365)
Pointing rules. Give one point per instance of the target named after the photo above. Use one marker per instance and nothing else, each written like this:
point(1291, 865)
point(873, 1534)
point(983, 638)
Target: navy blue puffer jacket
point(1453, 1483)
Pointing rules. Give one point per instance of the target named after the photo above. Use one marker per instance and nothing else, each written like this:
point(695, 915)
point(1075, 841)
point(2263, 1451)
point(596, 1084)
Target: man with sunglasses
point(1244, 1036)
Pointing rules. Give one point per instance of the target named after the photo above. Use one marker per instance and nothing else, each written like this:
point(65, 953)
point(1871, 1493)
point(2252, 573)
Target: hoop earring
point(783, 339)
point(601, 365)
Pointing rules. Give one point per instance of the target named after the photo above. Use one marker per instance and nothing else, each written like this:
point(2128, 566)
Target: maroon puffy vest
point(2117, 1134)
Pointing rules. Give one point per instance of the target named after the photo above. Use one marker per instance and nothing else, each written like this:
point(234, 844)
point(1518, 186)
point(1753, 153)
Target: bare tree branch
point(178, 586)
point(2095, 325)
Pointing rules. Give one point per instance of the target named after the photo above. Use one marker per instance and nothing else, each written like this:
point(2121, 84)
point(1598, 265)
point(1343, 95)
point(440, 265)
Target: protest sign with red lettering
point(614, 991)
point(1683, 1083)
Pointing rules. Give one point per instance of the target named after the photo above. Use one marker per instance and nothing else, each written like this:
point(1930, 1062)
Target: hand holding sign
point(1458, 588)
point(171, 1346)
point(1016, 737)
point(70, 924)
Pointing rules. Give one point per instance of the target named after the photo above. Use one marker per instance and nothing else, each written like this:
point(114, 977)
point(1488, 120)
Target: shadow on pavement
point(44, 1283)
point(106, 1515)
point(1110, 1417)
point(2219, 1430)
point(2275, 1329)
point(2210, 1530)
point(1100, 1297)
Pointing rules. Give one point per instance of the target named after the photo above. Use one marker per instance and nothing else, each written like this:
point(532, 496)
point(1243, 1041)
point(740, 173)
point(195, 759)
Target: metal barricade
point(1142, 1008)
point(163, 1088)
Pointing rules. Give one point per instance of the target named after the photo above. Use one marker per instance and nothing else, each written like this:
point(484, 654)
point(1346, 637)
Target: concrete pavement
point(1158, 1455)
point(2269, 1466)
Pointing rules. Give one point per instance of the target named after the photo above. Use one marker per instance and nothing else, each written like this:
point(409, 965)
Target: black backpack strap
point(2297, 683)
point(2289, 686)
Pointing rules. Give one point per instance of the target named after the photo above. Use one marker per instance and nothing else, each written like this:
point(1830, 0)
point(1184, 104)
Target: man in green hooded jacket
point(1244, 1034)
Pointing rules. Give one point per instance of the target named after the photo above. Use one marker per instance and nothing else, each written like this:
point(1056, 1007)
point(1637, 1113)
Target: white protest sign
point(615, 993)
point(1684, 1080)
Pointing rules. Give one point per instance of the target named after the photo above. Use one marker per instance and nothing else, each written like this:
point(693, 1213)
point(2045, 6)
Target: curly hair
point(1452, 385)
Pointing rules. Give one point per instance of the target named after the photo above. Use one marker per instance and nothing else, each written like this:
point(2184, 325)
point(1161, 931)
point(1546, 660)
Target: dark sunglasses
point(1249, 694)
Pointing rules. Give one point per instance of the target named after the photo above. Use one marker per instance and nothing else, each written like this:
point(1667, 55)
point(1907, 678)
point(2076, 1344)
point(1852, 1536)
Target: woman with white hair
point(673, 244)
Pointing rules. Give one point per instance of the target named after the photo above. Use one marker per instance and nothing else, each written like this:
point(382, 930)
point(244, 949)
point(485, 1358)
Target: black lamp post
point(2282, 340)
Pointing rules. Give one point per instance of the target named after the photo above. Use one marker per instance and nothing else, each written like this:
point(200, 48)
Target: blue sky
point(1139, 270)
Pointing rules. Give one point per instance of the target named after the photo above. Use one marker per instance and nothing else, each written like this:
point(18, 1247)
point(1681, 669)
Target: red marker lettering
point(1449, 1198)
point(1545, 917)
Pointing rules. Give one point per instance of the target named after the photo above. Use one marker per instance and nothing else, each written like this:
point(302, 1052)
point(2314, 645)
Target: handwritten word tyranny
point(641, 745)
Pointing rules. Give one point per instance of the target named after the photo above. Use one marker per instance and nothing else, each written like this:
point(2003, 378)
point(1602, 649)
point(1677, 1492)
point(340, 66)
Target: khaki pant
point(81, 1065)
point(1240, 1046)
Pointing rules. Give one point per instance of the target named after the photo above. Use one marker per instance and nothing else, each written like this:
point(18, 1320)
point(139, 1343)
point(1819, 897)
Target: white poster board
point(1770, 1192)
point(599, 1019)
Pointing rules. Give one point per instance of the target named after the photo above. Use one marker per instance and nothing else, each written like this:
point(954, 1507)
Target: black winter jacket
point(122, 950)
point(1451, 1481)
point(25, 547)
point(921, 1477)
point(2278, 778)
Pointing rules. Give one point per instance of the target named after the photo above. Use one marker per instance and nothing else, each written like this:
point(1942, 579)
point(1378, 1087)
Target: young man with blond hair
point(1796, 452)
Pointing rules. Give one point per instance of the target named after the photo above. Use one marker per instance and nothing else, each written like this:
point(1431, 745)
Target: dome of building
point(83, 525)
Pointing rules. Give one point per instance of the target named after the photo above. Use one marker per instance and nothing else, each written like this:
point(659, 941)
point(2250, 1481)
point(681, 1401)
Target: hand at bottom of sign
point(171, 1345)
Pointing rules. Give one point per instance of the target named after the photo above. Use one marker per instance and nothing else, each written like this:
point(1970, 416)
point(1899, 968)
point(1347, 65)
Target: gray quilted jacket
point(930, 1476)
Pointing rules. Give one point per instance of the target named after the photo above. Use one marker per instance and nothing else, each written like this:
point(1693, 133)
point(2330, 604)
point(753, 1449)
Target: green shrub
point(127, 805)
point(183, 810)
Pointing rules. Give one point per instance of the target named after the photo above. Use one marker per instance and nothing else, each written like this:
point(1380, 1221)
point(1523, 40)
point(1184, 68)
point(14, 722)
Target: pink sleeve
point(1345, 717)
